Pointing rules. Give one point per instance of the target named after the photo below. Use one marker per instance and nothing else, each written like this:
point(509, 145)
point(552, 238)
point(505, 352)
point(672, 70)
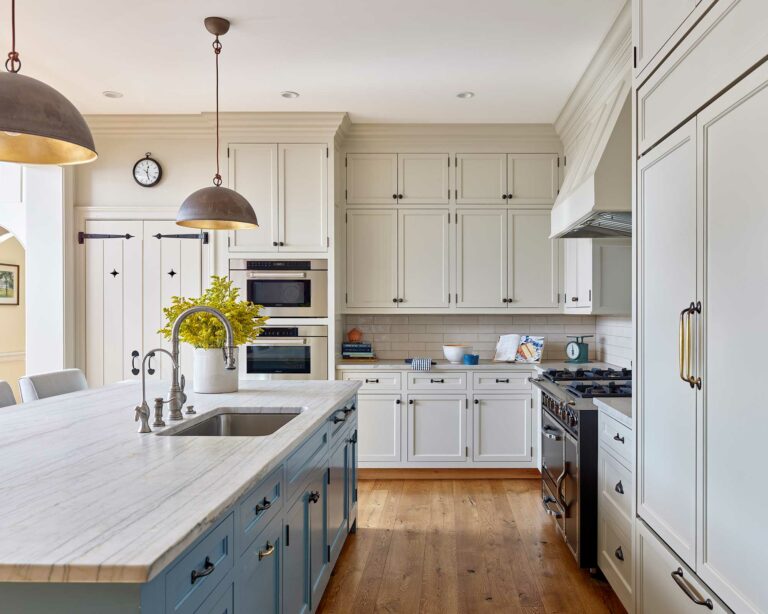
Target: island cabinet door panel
point(296, 558)
point(422, 179)
point(336, 478)
point(731, 139)
point(666, 449)
point(532, 179)
point(318, 544)
point(253, 173)
point(423, 261)
point(481, 258)
point(352, 476)
point(379, 428)
point(533, 271)
point(501, 427)
point(371, 258)
point(481, 179)
point(372, 179)
point(303, 197)
point(172, 267)
point(113, 301)
point(259, 582)
point(437, 428)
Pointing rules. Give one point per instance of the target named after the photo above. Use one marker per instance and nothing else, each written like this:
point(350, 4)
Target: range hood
point(597, 202)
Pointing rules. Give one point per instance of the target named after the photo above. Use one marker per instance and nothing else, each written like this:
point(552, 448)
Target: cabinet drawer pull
point(208, 567)
point(677, 576)
point(477, 401)
point(619, 488)
point(574, 299)
point(545, 502)
point(337, 419)
point(262, 507)
point(547, 432)
point(268, 551)
point(437, 380)
point(314, 496)
point(371, 380)
point(618, 438)
point(353, 439)
point(502, 380)
point(619, 553)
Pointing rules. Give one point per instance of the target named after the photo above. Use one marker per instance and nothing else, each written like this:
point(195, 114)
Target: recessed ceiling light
point(465, 95)
point(289, 94)
point(112, 94)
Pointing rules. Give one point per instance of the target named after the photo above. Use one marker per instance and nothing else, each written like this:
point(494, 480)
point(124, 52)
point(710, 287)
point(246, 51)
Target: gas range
point(589, 375)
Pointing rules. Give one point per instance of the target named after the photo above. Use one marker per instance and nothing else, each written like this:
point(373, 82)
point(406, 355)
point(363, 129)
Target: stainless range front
point(286, 353)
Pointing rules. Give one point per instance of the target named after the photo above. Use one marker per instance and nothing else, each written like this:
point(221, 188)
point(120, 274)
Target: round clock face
point(572, 350)
point(147, 172)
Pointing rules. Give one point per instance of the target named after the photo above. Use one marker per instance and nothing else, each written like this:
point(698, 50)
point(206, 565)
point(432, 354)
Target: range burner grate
point(594, 374)
point(610, 389)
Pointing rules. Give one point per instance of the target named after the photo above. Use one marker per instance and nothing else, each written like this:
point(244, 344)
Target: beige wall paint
point(12, 319)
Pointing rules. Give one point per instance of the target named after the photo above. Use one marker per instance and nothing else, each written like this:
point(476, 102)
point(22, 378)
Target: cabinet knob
point(574, 299)
point(509, 196)
point(282, 244)
point(477, 401)
point(400, 196)
point(394, 196)
point(401, 300)
point(410, 401)
point(274, 243)
point(397, 401)
point(504, 196)
point(504, 300)
point(394, 300)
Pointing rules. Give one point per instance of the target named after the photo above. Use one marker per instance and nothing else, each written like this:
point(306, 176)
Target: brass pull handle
point(262, 507)
point(268, 551)
point(685, 348)
point(208, 567)
point(677, 576)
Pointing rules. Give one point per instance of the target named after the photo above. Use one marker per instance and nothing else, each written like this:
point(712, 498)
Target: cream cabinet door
point(501, 428)
point(371, 258)
point(731, 138)
point(481, 258)
point(378, 428)
point(533, 267)
point(303, 198)
point(666, 447)
point(532, 179)
point(578, 275)
point(437, 428)
point(654, 22)
point(423, 260)
point(253, 173)
point(422, 179)
point(481, 179)
point(371, 179)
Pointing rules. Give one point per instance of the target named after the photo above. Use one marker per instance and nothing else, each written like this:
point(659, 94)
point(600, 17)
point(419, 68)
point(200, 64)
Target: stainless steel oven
point(286, 288)
point(286, 352)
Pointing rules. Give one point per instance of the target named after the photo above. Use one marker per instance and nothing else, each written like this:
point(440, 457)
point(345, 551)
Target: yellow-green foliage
point(203, 330)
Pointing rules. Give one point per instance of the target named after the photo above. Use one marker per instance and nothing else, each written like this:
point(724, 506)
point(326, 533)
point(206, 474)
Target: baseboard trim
point(406, 473)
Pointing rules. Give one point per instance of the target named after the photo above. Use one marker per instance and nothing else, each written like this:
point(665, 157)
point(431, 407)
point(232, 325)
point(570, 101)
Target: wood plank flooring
point(459, 547)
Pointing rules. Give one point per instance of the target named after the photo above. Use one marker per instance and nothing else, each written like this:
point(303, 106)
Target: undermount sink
point(240, 423)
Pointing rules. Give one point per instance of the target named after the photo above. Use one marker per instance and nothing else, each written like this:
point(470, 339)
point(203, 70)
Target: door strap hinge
point(82, 236)
point(198, 235)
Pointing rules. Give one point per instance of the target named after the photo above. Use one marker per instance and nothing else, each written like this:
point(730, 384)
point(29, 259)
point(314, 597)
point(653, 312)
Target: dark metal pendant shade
point(216, 208)
point(40, 126)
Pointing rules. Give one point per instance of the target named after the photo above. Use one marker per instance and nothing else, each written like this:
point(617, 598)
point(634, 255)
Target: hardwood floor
point(456, 547)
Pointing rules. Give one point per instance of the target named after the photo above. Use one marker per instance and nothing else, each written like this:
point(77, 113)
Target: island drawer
point(502, 380)
point(375, 381)
point(444, 380)
point(299, 465)
point(616, 437)
point(259, 507)
point(189, 582)
point(220, 601)
point(615, 484)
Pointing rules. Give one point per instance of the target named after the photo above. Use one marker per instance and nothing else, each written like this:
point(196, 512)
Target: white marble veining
point(618, 408)
point(443, 365)
point(85, 498)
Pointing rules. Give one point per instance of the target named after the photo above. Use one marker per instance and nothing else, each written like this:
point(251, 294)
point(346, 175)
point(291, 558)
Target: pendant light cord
point(217, 51)
point(13, 63)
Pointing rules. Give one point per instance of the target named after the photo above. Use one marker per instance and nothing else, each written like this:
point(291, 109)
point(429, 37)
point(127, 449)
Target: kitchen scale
point(577, 351)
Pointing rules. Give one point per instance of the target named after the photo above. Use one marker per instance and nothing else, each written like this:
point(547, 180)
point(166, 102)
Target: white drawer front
point(614, 554)
point(375, 381)
point(501, 380)
point(617, 438)
point(437, 381)
point(616, 485)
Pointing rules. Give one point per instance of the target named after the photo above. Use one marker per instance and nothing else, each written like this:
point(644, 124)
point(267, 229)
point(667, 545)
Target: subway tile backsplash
point(614, 337)
point(406, 336)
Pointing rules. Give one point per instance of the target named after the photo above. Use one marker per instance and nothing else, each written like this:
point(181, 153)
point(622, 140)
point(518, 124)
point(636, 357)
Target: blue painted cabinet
point(338, 508)
point(351, 481)
point(259, 584)
point(318, 549)
point(296, 558)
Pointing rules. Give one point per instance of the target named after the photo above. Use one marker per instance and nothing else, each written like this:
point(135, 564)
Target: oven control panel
point(564, 412)
point(278, 265)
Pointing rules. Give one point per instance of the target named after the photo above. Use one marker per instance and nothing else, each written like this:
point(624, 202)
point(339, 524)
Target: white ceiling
point(384, 61)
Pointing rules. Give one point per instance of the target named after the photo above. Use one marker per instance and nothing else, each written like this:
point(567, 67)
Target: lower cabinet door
point(318, 549)
point(296, 558)
point(379, 425)
point(220, 601)
point(501, 428)
point(337, 497)
point(665, 585)
point(437, 428)
point(352, 478)
point(260, 578)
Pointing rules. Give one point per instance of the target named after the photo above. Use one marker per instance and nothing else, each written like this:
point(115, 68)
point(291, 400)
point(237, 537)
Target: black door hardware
point(82, 236)
point(197, 235)
point(208, 568)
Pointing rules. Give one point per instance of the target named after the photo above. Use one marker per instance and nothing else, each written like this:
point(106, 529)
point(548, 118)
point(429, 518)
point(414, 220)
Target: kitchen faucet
point(142, 411)
point(176, 396)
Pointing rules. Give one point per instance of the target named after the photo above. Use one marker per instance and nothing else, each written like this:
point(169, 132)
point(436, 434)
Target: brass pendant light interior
point(216, 207)
point(37, 124)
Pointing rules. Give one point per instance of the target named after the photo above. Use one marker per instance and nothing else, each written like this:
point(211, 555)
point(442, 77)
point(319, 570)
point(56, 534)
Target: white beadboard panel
point(405, 336)
point(614, 338)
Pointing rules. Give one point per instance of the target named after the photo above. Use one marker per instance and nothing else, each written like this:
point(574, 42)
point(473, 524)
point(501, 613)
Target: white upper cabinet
point(654, 22)
point(481, 257)
point(533, 260)
point(372, 179)
point(253, 173)
point(532, 179)
point(371, 258)
point(303, 198)
point(481, 179)
point(598, 276)
point(422, 179)
point(423, 258)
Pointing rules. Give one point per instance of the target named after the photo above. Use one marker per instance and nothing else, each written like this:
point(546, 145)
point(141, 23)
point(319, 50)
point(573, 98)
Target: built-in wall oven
point(286, 353)
point(286, 288)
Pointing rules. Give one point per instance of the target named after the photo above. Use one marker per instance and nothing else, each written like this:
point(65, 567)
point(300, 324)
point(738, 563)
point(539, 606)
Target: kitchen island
point(96, 517)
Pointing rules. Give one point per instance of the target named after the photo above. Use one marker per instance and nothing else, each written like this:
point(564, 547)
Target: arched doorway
point(12, 309)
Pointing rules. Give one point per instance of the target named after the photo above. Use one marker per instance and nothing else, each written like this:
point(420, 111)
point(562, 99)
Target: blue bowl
point(471, 359)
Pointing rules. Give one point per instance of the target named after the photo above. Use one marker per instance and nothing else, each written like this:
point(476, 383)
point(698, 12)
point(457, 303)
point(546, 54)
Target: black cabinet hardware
point(114, 273)
point(337, 419)
point(82, 236)
point(410, 401)
point(394, 196)
point(371, 380)
point(203, 236)
point(314, 496)
point(437, 380)
point(504, 196)
point(397, 401)
point(502, 380)
point(134, 356)
point(263, 506)
point(477, 401)
point(618, 438)
point(619, 487)
point(619, 553)
point(208, 568)
point(274, 243)
point(394, 300)
point(287, 535)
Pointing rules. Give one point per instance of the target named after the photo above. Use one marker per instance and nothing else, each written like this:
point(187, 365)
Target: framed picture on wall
point(9, 284)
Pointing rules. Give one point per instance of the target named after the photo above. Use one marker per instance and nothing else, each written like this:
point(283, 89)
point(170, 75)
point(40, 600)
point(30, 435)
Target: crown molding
point(450, 134)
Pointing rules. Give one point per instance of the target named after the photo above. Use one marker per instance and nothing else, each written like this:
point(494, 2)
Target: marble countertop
point(444, 365)
point(618, 408)
point(85, 498)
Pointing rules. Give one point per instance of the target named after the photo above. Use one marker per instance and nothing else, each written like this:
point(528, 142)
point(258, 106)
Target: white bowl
point(454, 352)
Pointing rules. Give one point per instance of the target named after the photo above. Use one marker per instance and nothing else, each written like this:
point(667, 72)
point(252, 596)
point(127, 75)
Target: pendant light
point(216, 207)
point(37, 124)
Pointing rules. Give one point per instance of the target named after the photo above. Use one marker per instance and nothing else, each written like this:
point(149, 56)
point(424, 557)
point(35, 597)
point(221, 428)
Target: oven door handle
point(279, 341)
point(559, 483)
point(282, 275)
point(547, 432)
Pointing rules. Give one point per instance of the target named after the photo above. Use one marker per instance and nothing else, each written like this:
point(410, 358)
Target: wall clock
point(147, 171)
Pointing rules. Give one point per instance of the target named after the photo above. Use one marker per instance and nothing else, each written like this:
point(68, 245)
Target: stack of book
point(357, 350)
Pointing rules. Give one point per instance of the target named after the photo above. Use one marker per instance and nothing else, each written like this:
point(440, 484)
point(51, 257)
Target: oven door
point(285, 294)
point(552, 449)
point(285, 358)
